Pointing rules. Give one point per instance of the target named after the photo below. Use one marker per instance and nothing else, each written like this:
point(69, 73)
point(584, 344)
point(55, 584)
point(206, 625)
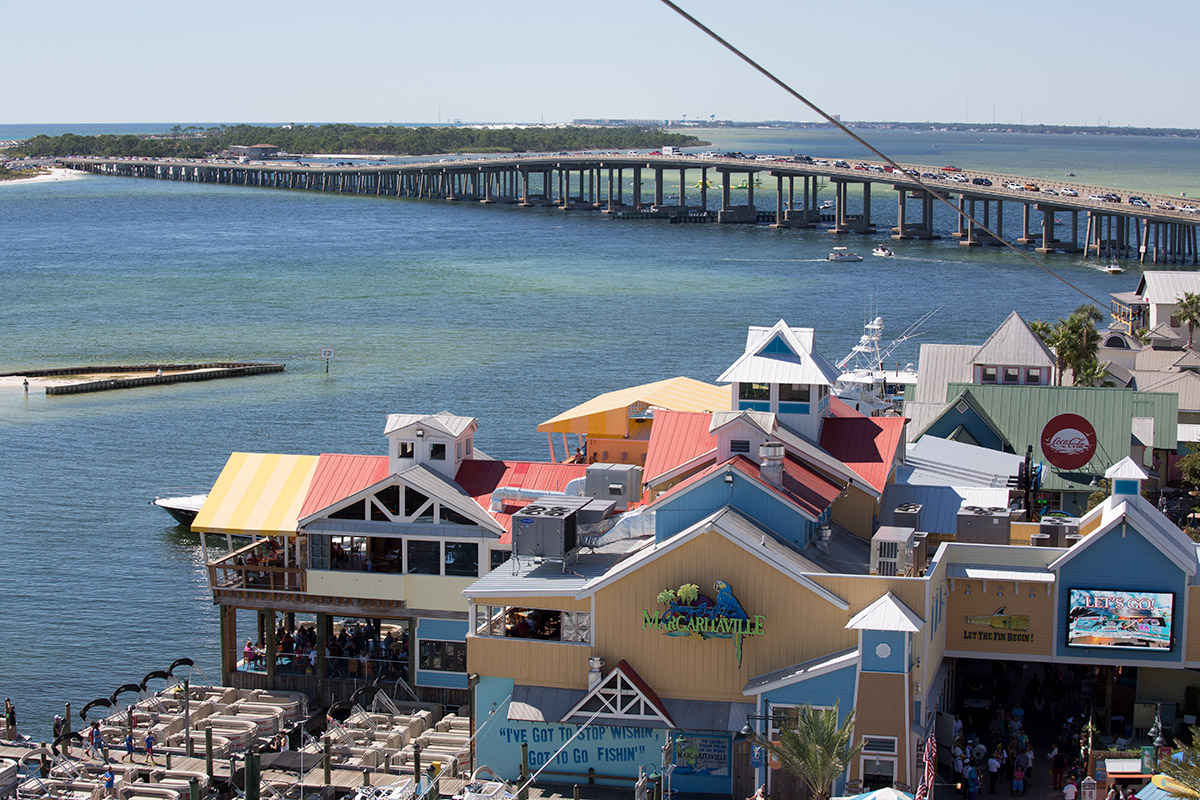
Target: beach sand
point(55, 174)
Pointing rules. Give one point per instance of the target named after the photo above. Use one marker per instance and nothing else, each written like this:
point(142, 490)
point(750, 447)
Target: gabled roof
point(742, 531)
point(803, 489)
point(865, 444)
point(781, 354)
point(596, 416)
point(887, 613)
point(338, 476)
point(794, 443)
point(428, 483)
point(1188, 360)
point(941, 462)
point(1167, 286)
point(1014, 344)
point(938, 366)
point(1126, 469)
point(966, 397)
point(1163, 331)
point(442, 422)
point(620, 694)
point(1146, 520)
point(479, 478)
point(801, 672)
point(677, 438)
point(1185, 385)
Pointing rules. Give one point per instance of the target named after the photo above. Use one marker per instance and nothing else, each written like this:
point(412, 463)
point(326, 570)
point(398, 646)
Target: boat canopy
point(257, 494)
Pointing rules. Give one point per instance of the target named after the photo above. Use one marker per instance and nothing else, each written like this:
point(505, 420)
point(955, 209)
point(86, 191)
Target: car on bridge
point(1099, 198)
point(1032, 187)
point(1190, 209)
point(1165, 206)
point(1139, 202)
point(951, 168)
point(932, 176)
point(1067, 191)
point(1016, 187)
point(981, 182)
point(1049, 190)
point(841, 164)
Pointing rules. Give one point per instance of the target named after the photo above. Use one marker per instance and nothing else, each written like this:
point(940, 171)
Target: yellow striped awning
point(607, 415)
point(257, 494)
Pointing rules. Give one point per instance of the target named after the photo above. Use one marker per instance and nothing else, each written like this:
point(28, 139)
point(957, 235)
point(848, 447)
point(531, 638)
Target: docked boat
point(842, 254)
point(882, 252)
point(865, 384)
point(182, 504)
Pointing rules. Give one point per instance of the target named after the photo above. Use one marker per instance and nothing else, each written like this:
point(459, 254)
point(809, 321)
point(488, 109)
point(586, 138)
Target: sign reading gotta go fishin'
point(698, 616)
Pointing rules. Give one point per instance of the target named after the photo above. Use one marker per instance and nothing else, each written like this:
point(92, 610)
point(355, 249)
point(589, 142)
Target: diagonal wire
point(838, 124)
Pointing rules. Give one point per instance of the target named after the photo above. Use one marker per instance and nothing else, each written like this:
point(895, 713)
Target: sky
point(1033, 61)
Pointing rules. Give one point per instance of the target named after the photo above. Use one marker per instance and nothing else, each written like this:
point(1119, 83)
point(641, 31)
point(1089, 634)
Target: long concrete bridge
point(1163, 230)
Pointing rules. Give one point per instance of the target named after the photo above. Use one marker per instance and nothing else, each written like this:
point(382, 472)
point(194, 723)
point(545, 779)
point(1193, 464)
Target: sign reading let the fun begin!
point(690, 613)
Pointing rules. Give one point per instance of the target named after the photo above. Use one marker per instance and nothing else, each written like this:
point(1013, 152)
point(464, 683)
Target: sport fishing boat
point(865, 384)
point(882, 252)
point(842, 254)
point(182, 504)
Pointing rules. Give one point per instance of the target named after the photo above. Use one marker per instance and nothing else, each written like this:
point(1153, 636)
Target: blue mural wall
point(702, 758)
point(442, 630)
point(1122, 563)
point(893, 661)
point(678, 512)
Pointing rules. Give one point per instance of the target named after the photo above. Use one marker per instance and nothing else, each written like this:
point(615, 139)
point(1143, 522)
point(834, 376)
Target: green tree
point(1189, 469)
point(1186, 769)
point(1049, 333)
point(1188, 312)
point(817, 749)
point(1093, 374)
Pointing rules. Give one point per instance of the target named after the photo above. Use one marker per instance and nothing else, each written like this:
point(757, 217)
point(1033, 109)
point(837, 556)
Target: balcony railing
point(256, 567)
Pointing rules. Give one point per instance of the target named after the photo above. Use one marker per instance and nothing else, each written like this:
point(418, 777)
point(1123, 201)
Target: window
point(498, 557)
point(989, 375)
point(739, 446)
point(533, 623)
point(462, 559)
point(406, 449)
point(442, 656)
point(437, 452)
point(1174, 321)
point(1012, 375)
point(754, 391)
point(794, 392)
point(424, 558)
point(468, 448)
point(1033, 376)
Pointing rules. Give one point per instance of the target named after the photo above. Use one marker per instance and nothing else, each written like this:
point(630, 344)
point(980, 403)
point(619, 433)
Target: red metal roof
point(480, 478)
point(865, 444)
point(802, 485)
point(677, 437)
point(338, 476)
point(840, 408)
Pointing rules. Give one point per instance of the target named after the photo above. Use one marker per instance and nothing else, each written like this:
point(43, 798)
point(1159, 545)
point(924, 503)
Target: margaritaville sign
point(690, 613)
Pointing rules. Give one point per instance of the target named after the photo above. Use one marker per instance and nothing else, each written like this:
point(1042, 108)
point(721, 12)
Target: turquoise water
point(511, 315)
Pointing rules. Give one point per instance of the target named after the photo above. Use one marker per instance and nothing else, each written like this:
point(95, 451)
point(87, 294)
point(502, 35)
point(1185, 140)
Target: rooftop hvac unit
point(983, 525)
point(547, 527)
point(892, 550)
point(907, 515)
point(621, 483)
point(1057, 529)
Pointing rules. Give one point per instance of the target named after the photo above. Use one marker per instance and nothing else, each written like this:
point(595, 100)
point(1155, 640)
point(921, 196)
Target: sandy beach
point(55, 174)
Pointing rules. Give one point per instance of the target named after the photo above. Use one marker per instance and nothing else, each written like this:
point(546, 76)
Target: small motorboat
point(182, 504)
point(842, 254)
point(826, 206)
point(1113, 269)
point(882, 252)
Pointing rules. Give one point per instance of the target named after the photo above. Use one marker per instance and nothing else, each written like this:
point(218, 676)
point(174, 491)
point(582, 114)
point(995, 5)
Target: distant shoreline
point(53, 175)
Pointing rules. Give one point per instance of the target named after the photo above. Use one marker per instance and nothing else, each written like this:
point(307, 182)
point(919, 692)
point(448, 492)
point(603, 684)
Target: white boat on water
point(842, 254)
point(1113, 269)
point(882, 252)
point(182, 504)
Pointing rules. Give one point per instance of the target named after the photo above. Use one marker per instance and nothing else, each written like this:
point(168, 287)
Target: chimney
point(771, 467)
point(595, 671)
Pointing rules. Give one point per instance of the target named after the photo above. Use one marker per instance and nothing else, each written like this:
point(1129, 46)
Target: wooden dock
point(127, 377)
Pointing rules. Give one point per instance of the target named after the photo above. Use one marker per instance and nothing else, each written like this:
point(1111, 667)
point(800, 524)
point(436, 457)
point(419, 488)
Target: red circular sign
point(1068, 441)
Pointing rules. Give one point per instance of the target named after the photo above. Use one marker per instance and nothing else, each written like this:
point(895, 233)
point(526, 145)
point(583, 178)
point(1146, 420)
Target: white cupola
point(439, 441)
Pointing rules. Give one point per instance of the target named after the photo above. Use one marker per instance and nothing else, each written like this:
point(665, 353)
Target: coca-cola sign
point(1068, 441)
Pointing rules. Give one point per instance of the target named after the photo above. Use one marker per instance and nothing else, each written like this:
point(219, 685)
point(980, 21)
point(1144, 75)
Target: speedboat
point(826, 206)
point(882, 252)
point(1113, 269)
point(842, 254)
point(182, 504)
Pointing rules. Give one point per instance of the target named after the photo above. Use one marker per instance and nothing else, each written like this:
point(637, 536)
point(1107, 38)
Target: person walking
point(1069, 791)
point(150, 750)
point(129, 744)
point(993, 768)
point(109, 780)
point(1018, 782)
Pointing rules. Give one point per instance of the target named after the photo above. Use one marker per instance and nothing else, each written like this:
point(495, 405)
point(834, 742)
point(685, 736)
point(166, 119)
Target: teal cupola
point(1126, 476)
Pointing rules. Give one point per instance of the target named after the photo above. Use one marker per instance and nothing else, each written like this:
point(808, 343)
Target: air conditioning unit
point(547, 527)
point(983, 525)
point(1058, 528)
point(621, 483)
point(907, 515)
point(892, 550)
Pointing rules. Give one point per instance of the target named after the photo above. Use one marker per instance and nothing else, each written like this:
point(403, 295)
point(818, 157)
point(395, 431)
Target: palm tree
point(1079, 341)
point(816, 748)
point(1050, 334)
point(1093, 374)
point(1188, 312)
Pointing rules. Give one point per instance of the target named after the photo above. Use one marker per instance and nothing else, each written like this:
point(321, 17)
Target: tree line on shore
point(339, 139)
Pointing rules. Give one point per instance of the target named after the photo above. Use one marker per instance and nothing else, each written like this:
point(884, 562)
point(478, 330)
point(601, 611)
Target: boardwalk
point(1153, 228)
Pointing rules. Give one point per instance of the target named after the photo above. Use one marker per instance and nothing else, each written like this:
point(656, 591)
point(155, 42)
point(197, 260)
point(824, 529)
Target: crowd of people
point(354, 651)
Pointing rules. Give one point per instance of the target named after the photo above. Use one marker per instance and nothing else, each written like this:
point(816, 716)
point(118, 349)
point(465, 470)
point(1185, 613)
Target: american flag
point(925, 788)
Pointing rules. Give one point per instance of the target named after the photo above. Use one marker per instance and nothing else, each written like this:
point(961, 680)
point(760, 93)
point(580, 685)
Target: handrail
point(257, 577)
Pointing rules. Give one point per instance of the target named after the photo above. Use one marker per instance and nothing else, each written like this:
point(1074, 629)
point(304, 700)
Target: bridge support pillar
point(704, 189)
point(658, 187)
point(736, 214)
point(637, 188)
point(969, 239)
point(1026, 236)
point(1048, 237)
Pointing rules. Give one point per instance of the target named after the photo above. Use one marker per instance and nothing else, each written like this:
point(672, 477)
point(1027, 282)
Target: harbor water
point(510, 315)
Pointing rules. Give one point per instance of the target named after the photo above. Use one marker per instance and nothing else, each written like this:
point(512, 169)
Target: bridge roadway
point(1165, 231)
